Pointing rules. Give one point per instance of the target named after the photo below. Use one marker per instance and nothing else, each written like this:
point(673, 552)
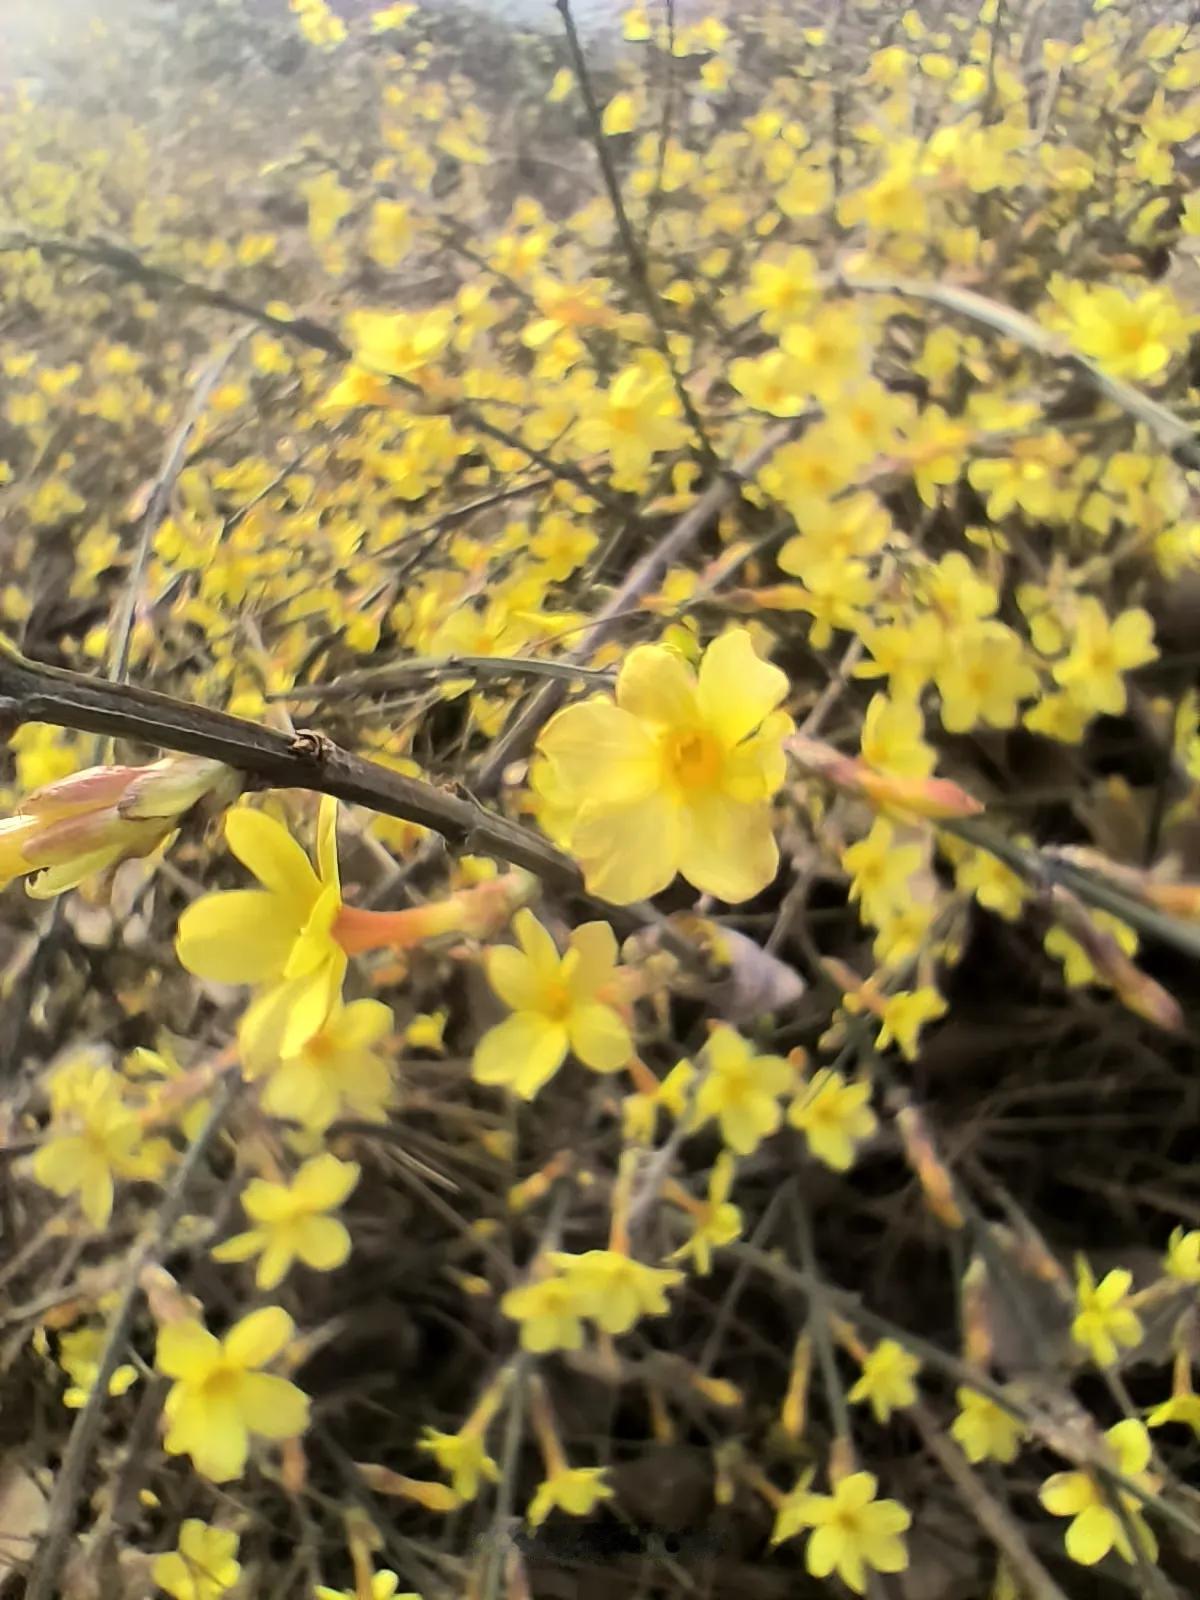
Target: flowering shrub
point(726, 498)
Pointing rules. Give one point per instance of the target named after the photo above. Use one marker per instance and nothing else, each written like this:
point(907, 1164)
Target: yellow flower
point(633, 419)
point(983, 677)
point(79, 1355)
point(887, 1380)
point(278, 937)
point(1078, 967)
point(782, 290)
point(555, 1007)
point(1103, 1318)
point(1131, 336)
point(676, 775)
point(834, 1116)
point(337, 1069)
point(463, 1455)
point(291, 1221)
point(203, 1566)
point(613, 1290)
point(383, 1585)
point(548, 1310)
point(904, 1014)
point(717, 1221)
point(620, 115)
point(575, 1490)
point(880, 870)
point(1096, 1528)
point(95, 1138)
point(220, 1396)
point(892, 738)
point(1183, 1409)
point(1183, 1255)
point(741, 1090)
point(985, 1430)
point(1101, 652)
point(852, 1532)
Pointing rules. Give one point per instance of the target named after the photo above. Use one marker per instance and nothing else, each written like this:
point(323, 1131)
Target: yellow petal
point(310, 1000)
point(521, 1054)
point(1090, 1535)
point(240, 1247)
point(1067, 1493)
point(275, 1262)
point(598, 1036)
point(325, 1182)
point(327, 856)
point(362, 1022)
point(628, 851)
point(513, 977)
point(272, 1406)
point(596, 947)
point(256, 1339)
point(186, 1350)
point(237, 936)
point(211, 1432)
point(738, 689)
point(273, 856)
point(728, 848)
point(657, 686)
point(538, 945)
point(323, 1243)
point(601, 753)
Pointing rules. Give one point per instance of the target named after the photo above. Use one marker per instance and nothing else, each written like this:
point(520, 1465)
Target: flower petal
point(728, 848)
point(323, 1243)
point(598, 1036)
point(325, 1182)
point(211, 1432)
point(362, 1022)
point(1090, 1535)
point(272, 1406)
point(596, 947)
point(658, 686)
point(273, 856)
point(1065, 1494)
point(599, 752)
point(738, 689)
point(236, 936)
point(522, 1053)
point(327, 856)
point(628, 851)
point(186, 1350)
point(539, 946)
point(259, 1337)
point(513, 977)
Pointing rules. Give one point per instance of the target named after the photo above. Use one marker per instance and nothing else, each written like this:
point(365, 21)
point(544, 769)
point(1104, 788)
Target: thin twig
point(987, 1511)
point(635, 254)
point(157, 503)
point(418, 672)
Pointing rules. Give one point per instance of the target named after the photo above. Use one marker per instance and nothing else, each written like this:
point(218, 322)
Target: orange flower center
point(694, 759)
point(222, 1385)
point(556, 1001)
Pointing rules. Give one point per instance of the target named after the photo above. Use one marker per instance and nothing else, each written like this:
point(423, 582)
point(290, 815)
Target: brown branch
point(33, 692)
